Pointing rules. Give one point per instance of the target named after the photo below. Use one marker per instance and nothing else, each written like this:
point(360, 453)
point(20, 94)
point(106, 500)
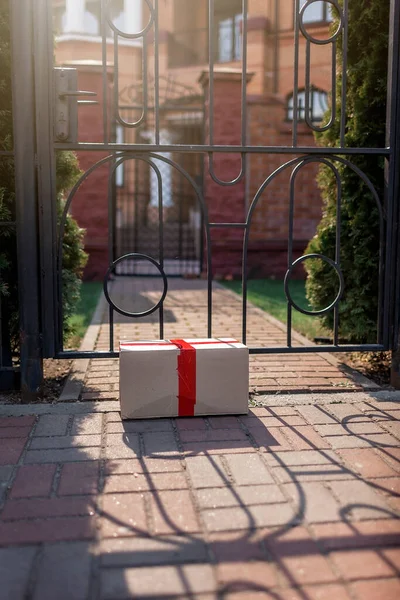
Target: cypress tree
point(365, 127)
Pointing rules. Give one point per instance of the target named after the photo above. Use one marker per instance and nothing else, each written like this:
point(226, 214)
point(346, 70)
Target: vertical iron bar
point(276, 49)
point(296, 71)
point(244, 74)
point(44, 96)
point(344, 75)
point(290, 248)
point(26, 197)
point(337, 253)
point(156, 76)
point(105, 74)
point(211, 72)
point(211, 142)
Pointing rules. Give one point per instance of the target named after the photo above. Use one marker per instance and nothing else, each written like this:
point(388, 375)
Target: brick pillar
point(90, 206)
point(226, 204)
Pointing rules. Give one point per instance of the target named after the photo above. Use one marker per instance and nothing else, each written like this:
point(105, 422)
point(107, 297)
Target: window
point(228, 30)
point(317, 12)
point(230, 39)
point(318, 105)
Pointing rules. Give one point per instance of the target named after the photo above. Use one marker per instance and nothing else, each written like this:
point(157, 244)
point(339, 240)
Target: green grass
point(269, 295)
point(79, 322)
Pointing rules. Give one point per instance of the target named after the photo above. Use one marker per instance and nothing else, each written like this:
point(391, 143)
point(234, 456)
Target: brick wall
point(268, 241)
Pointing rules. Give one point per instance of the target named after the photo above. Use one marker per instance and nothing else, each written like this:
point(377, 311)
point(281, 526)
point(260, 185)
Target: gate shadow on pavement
point(222, 507)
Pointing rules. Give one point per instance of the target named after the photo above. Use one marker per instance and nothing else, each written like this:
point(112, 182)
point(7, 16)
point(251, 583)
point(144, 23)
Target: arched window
point(317, 12)
point(318, 105)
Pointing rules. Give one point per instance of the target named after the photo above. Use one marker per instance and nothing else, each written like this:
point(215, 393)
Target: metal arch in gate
point(133, 133)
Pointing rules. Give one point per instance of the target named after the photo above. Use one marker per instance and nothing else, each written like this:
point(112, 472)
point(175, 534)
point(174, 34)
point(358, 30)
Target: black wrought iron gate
point(137, 139)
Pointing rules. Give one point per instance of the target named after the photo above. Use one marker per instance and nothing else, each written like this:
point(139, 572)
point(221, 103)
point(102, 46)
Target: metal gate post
point(26, 197)
point(393, 182)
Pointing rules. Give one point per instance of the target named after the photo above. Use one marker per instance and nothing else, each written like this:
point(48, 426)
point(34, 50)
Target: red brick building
point(183, 53)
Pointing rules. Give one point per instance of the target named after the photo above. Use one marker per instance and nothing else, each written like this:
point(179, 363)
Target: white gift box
point(171, 378)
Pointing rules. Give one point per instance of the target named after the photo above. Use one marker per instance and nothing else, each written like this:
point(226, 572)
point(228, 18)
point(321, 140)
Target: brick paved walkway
point(186, 316)
point(290, 503)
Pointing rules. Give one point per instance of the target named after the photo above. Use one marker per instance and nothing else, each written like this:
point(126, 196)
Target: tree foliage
point(365, 118)
point(67, 173)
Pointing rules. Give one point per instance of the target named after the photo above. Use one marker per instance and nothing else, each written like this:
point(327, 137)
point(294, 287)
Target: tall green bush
point(366, 116)
point(67, 172)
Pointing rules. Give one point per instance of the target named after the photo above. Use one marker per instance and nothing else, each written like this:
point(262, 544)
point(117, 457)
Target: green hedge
point(366, 117)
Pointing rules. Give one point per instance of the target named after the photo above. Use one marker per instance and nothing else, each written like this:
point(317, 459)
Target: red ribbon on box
point(187, 375)
point(186, 371)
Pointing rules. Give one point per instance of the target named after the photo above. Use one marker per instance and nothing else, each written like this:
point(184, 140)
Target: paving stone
point(367, 463)
point(392, 427)
point(139, 551)
point(145, 481)
point(64, 572)
point(65, 441)
point(206, 471)
point(387, 589)
point(162, 465)
point(173, 512)
point(52, 425)
point(14, 432)
point(317, 502)
point(304, 438)
point(248, 518)
point(33, 480)
point(26, 421)
point(348, 429)
point(15, 569)
point(11, 450)
point(123, 515)
point(239, 496)
point(240, 576)
point(224, 422)
point(304, 458)
point(46, 530)
point(169, 581)
point(323, 592)
point(361, 564)
point(79, 478)
point(324, 472)
point(163, 443)
point(209, 448)
point(34, 508)
point(234, 547)
point(61, 456)
point(362, 534)
point(349, 413)
point(190, 423)
point(360, 500)
point(248, 469)
point(91, 424)
point(140, 426)
point(212, 435)
point(273, 440)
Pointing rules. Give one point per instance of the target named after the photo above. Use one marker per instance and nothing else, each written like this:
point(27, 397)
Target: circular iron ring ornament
point(130, 36)
point(339, 294)
point(125, 312)
point(311, 38)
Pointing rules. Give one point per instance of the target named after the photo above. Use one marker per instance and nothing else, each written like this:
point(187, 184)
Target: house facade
point(184, 46)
